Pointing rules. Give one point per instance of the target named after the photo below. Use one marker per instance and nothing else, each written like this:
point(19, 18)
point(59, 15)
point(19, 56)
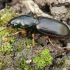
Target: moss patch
point(43, 59)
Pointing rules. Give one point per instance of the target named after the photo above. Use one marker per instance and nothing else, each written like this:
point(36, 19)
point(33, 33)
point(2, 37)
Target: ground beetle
point(44, 25)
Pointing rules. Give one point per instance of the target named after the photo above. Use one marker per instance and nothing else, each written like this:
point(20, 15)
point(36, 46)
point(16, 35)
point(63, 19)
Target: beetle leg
point(15, 33)
point(49, 41)
point(33, 42)
point(24, 31)
point(53, 44)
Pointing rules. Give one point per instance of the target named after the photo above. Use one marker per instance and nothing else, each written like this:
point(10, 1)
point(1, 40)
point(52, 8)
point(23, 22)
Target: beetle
point(43, 25)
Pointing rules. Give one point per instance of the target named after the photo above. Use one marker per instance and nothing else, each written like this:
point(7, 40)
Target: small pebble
point(68, 45)
point(58, 10)
point(28, 61)
point(64, 69)
point(67, 62)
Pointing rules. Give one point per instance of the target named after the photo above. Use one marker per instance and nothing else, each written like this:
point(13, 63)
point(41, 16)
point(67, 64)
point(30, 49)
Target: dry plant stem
point(33, 42)
point(53, 44)
point(34, 8)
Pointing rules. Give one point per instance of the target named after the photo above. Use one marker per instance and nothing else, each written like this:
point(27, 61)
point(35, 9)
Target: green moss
point(41, 63)
point(29, 44)
point(27, 67)
point(43, 59)
point(19, 47)
point(62, 62)
point(3, 33)
point(2, 65)
point(12, 40)
point(6, 47)
point(24, 66)
point(6, 16)
point(23, 63)
point(29, 41)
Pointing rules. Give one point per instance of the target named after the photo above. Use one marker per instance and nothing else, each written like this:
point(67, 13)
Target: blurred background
point(9, 2)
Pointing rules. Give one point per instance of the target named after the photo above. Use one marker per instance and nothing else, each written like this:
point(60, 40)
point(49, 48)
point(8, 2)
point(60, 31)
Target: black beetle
point(44, 25)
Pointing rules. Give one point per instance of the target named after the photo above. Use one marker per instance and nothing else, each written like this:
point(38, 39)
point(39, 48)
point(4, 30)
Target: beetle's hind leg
point(53, 44)
point(49, 41)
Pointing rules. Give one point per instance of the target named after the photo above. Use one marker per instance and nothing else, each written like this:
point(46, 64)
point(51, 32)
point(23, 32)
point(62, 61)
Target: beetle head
point(14, 23)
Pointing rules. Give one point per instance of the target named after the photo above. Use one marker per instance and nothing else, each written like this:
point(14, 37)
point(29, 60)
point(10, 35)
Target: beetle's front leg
point(23, 32)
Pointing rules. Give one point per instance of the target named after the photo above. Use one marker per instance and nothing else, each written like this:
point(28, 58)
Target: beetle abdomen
point(52, 27)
